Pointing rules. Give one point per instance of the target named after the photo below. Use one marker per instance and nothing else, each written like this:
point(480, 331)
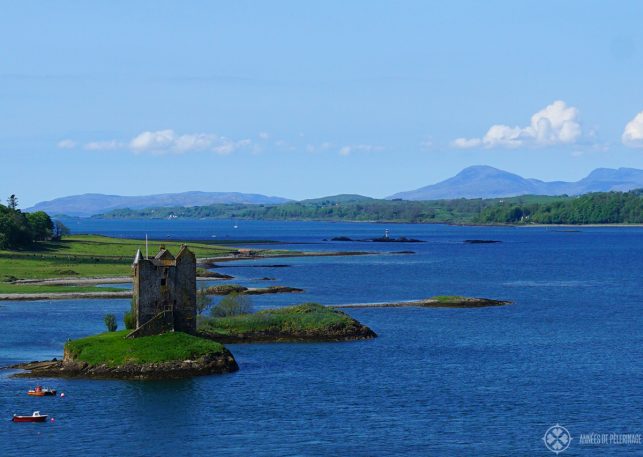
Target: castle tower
point(185, 291)
point(164, 293)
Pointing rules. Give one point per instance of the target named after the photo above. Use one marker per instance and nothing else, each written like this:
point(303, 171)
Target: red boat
point(35, 417)
point(40, 392)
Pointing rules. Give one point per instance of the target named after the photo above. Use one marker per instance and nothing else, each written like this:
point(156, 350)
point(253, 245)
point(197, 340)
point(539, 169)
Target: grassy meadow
point(302, 318)
point(112, 348)
point(81, 256)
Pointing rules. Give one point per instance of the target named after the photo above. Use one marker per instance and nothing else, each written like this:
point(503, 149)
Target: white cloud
point(103, 145)
point(633, 133)
point(466, 143)
point(66, 144)
point(226, 146)
point(160, 140)
point(167, 141)
point(555, 124)
point(264, 135)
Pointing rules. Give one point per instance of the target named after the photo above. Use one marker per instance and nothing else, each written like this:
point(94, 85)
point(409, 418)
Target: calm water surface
point(435, 381)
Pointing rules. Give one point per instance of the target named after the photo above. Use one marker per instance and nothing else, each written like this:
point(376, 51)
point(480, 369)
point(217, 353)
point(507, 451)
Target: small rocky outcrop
point(434, 302)
point(402, 239)
point(273, 290)
point(228, 289)
point(213, 275)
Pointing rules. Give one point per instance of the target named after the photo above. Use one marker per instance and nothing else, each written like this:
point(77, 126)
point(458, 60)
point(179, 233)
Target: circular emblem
point(557, 438)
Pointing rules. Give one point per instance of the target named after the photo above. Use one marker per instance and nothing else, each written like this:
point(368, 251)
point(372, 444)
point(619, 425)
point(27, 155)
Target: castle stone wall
point(166, 285)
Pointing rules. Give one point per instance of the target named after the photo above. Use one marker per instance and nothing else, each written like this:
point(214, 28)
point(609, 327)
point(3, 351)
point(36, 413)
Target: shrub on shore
point(232, 305)
point(130, 320)
point(110, 322)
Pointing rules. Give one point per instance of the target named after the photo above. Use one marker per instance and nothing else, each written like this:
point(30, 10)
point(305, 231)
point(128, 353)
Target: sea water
point(486, 381)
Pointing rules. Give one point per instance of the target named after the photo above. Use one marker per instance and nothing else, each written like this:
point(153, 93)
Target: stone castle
point(164, 293)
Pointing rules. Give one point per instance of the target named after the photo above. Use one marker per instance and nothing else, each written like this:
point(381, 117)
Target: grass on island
point(113, 349)
point(306, 317)
point(449, 298)
point(79, 256)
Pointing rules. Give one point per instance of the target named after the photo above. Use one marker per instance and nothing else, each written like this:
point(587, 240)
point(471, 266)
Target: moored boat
point(39, 391)
point(35, 417)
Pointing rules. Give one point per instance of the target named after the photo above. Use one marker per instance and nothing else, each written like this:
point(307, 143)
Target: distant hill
point(487, 182)
point(90, 204)
point(342, 198)
point(473, 182)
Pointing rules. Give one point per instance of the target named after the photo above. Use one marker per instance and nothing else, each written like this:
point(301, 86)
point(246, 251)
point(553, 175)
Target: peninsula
point(90, 266)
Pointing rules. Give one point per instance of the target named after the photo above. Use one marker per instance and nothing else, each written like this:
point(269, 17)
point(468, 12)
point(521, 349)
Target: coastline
point(96, 280)
point(126, 294)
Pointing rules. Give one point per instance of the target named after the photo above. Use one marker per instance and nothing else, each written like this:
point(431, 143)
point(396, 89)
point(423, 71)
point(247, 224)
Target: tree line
point(595, 208)
point(360, 210)
point(18, 229)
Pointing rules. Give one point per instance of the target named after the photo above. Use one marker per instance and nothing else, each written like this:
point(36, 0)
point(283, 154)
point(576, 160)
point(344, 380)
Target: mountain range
point(478, 181)
point(90, 204)
point(482, 181)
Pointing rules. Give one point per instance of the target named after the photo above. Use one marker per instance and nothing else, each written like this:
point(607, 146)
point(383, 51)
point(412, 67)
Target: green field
point(113, 349)
point(81, 256)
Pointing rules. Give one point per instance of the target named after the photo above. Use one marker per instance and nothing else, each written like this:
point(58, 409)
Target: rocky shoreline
point(64, 295)
point(218, 363)
point(212, 290)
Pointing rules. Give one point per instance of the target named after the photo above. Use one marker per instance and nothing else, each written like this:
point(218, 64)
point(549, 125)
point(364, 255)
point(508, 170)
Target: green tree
point(129, 319)
point(12, 202)
point(203, 301)
point(110, 322)
point(41, 225)
point(59, 230)
point(232, 305)
point(15, 228)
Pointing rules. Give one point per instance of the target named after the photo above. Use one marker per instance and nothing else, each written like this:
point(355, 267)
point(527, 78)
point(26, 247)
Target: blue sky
point(303, 99)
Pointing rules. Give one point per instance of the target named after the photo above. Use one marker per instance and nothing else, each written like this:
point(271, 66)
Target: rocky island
point(438, 301)
point(111, 355)
point(305, 322)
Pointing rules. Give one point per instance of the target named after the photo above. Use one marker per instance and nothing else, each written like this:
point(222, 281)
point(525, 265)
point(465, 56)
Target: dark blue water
point(435, 382)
